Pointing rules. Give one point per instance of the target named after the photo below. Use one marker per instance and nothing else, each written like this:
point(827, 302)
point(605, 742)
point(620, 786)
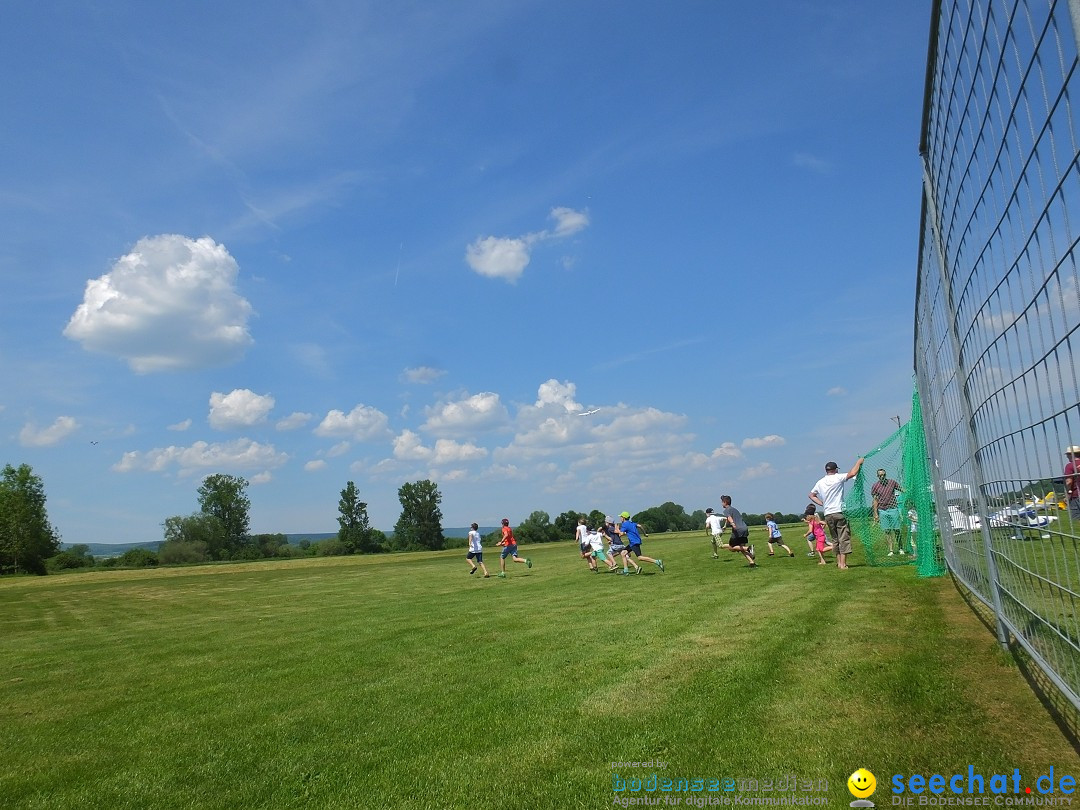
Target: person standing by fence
point(887, 509)
point(828, 493)
point(1072, 482)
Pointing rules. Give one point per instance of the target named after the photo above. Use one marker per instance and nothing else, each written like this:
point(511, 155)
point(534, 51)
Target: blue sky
point(549, 255)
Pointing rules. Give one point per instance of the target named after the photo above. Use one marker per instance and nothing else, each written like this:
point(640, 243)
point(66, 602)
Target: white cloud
point(261, 478)
point(362, 423)
point(171, 303)
point(507, 257)
point(836, 392)
point(180, 426)
point(727, 450)
point(422, 374)
point(554, 392)
point(294, 420)
point(772, 440)
point(496, 257)
point(568, 221)
point(317, 464)
point(339, 449)
point(447, 451)
point(238, 408)
point(63, 427)
point(409, 447)
point(757, 471)
point(482, 411)
point(627, 435)
point(239, 455)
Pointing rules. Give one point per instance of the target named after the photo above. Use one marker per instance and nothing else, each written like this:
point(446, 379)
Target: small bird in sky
point(92, 442)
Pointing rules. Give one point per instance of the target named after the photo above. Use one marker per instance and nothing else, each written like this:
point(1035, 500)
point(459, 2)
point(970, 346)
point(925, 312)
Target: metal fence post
point(969, 418)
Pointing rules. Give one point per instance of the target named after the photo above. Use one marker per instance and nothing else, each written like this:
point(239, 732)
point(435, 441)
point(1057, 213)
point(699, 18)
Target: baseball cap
point(624, 514)
point(830, 466)
point(506, 521)
point(708, 511)
point(1074, 450)
point(608, 519)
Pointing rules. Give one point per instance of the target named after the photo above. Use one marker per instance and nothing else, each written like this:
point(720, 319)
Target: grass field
point(400, 681)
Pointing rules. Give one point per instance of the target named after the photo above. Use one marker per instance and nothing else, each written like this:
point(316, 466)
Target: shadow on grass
point(1060, 709)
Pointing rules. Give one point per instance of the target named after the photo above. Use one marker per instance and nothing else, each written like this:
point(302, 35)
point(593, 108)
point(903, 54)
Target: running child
point(509, 544)
point(476, 552)
point(633, 535)
point(817, 528)
point(810, 541)
point(596, 543)
point(714, 526)
point(775, 538)
point(740, 532)
point(618, 548)
point(581, 535)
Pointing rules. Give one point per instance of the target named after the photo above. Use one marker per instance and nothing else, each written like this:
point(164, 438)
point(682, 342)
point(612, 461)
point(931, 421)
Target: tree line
point(220, 529)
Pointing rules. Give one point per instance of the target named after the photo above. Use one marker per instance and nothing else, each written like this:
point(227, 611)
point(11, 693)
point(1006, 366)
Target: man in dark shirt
point(887, 509)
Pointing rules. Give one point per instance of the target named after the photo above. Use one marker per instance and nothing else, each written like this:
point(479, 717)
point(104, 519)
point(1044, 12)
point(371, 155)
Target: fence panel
point(997, 352)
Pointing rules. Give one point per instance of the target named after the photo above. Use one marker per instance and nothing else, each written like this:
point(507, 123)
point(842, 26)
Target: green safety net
point(913, 539)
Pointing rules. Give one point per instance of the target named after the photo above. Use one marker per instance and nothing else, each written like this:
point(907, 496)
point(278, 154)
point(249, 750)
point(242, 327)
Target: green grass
point(400, 681)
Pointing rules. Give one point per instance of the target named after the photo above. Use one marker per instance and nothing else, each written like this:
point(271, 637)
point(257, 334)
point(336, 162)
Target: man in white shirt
point(714, 525)
point(828, 493)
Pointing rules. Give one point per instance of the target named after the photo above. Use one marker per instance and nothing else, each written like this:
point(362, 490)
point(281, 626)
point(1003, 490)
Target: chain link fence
point(997, 353)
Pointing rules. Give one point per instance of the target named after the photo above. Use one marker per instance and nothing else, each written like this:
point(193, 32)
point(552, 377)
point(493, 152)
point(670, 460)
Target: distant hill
point(116, 549)
point(113, 549)
point(448, 531)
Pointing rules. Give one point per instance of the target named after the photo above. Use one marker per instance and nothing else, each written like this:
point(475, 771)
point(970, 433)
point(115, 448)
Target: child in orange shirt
point(509, 544)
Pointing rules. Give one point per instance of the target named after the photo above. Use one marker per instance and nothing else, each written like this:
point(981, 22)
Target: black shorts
point(738, 539)
point(475, 555)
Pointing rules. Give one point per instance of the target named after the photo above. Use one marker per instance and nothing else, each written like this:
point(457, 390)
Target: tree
point(27, 538)
point(596, 519)
point(195, 538)
point(223, 497)
point(538, 528)
point(566, 524)
point(668, 517)
point(78, 556)
point(179, 552)
point(269, 545)
point(138, 558)
point(355, 530)
point(420, 524)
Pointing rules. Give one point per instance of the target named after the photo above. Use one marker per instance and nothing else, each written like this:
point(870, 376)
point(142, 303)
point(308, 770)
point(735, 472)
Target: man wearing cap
point(828, 493)
point(1072, 482)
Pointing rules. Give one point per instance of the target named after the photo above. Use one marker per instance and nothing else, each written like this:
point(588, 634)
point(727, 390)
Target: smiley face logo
point(861, 783)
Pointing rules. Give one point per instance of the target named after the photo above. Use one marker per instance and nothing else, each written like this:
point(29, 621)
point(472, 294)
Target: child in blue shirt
point(775, 538)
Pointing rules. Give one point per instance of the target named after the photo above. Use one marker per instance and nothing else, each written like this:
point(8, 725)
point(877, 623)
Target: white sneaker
point(890, 553)
point(901, 551)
